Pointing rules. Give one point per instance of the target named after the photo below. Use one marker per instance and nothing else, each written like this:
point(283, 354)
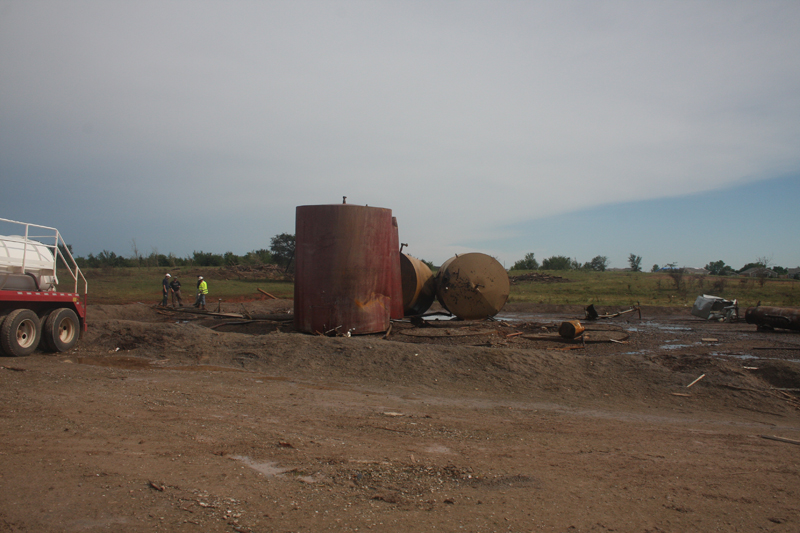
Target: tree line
point(561, 262)
point(600, 263)
point(280, 252)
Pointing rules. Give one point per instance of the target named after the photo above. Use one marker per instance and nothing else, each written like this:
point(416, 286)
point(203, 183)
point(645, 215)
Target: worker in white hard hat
point(202, 290)
point(165, 289)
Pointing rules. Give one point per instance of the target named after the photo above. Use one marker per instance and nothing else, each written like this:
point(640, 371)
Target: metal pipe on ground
point(773, 317)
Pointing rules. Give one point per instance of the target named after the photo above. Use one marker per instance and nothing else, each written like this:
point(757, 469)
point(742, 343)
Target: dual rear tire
point(22, 331)
point(61, 330)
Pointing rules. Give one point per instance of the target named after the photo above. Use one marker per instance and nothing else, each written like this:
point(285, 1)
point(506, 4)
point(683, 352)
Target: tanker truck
point(36, 309)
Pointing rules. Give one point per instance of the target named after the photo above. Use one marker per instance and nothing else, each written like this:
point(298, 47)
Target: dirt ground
point(162, 421)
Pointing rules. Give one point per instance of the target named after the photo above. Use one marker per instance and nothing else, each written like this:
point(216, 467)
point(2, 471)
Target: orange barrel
point(571, 329)
point(397, 284)
point(344, 268)
point(472, 286)
point(419, 288)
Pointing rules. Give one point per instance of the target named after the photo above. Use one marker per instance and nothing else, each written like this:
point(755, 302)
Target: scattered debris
point(716, 308)
point(780, 439)
point(695, 381)
point(268, 294)
point(538, 277)
point(592, 314)
point(448, 332)
point(773, 348)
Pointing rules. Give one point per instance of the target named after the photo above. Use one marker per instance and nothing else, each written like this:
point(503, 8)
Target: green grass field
point(126, 285)
point(659, 289)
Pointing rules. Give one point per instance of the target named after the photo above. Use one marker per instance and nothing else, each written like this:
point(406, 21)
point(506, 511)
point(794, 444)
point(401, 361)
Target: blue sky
point(738, 225)
point(665, 129)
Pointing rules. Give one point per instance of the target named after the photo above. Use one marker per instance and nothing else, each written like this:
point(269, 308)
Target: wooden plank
point(268, 294)
point(780, 439)
point(695, 381)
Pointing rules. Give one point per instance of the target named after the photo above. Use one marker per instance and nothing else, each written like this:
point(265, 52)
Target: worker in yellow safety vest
point(202, 290)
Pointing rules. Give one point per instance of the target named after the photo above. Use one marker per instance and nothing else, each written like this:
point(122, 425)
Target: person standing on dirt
point(175, 287)
point(202, 290)
point(165, 289)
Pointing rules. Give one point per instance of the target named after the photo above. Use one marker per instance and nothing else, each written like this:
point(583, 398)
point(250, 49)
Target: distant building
point(687, 270)
point(759, 272)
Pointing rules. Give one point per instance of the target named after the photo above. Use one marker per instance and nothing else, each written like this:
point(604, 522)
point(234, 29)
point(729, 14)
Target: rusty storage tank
point(419, 288)
point(773, 317)
point(397, 284)
point(345, 268)
point(472, 286)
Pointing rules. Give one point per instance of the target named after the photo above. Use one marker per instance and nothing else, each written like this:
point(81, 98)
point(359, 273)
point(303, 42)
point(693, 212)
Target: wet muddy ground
point(162, 421)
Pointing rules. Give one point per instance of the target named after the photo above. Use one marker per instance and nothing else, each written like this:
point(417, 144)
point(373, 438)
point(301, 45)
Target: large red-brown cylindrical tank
point(472, 286)
point(345, 268)
point(419, 289)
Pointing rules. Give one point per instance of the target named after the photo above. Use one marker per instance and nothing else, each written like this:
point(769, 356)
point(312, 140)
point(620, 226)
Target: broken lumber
point(695, 381)
point(780, 439)
point(268, 294)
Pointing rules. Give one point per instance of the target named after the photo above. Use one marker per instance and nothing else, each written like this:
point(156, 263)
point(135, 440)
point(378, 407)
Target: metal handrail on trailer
point(71, 265)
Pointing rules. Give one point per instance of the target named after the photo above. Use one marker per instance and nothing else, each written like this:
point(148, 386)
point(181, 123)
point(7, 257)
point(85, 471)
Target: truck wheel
point(43, 344)
point(61, 329)
point(20, 333)
point(2, 319)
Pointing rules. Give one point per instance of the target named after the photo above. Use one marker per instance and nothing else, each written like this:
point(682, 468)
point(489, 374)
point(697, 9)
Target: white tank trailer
point(36, 311)
point(18, 254)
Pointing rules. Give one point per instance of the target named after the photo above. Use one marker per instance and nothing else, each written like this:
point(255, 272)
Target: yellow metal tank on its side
point(472, 286)
point(419, 288)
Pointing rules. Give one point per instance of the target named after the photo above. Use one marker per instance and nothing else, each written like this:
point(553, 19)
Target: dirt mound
point(255, 272)
point(176, 420)
point(508, 357)
point(538, 277)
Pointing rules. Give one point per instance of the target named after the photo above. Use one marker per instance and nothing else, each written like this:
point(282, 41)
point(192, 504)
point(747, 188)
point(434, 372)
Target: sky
point(670, 130)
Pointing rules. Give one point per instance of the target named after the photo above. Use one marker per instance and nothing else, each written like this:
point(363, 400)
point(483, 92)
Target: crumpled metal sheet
point(715, 308)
